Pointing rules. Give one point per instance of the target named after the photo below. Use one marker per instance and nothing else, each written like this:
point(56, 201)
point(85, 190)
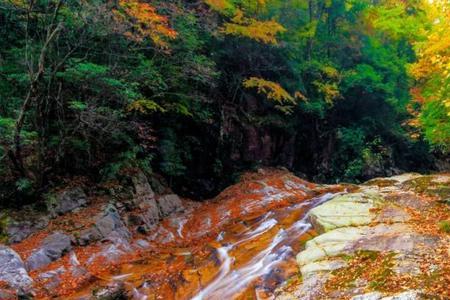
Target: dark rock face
point(150, 215)
point(66, 201)
point(169, 204)
point(12, 271)
point(151, 209)
point(19, 226)
point(53, 247)
point(142, 189)
point(107, 223)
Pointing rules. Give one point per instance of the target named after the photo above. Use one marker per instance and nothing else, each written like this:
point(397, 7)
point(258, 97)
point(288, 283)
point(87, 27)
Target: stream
point(280, 233)
point(242, 244)
point(246, 260)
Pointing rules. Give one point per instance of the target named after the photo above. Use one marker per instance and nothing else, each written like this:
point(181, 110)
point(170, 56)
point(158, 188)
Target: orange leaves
point(145, 22)
point(261, 31)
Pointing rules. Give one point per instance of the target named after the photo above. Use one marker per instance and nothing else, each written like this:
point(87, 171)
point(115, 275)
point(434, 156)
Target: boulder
point(142, 188)
point(150, 212)
point(169, 204)
point(52, 279)
point(13, 272)
point(66, 201)
point(16, 226)
point(108, 224)
point(158, 183)
point(144, 200)
point(53, 247)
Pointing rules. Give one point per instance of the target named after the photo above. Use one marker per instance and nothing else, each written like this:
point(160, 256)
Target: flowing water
point(246, 260)
point(281, 235)
point(239, 245)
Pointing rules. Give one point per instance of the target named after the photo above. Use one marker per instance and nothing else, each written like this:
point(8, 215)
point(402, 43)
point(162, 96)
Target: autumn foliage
point(145, 22)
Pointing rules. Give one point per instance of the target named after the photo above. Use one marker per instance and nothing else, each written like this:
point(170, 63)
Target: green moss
point(444, 226)
point(308, 236)
point(373, 266)
point(380, 182)
point(443, 191)
point(419, 184)
point(383, 273)
point(367, 254)
point(425, 184)
point(50, 201)
point(4, 221)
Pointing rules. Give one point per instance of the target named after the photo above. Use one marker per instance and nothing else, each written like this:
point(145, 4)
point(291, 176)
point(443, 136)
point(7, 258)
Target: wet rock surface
point(381, 220)
point(271, 236)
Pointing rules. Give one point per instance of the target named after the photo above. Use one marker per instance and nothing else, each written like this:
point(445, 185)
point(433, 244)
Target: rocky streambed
point(271, 236)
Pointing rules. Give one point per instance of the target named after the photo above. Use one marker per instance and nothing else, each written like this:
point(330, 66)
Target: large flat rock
point(353, 209)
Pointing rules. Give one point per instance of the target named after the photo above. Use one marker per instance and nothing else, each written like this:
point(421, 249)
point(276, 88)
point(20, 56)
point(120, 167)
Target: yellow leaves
point(261, 31)
point(264, 31)
point(19, 3)
point(275, 92)
point(272, 90)
point(432, 69)
point(145, 22)
point(221, 6)
point(299, 96)
point(328, 84)
point(145, 106)
point(330, 91)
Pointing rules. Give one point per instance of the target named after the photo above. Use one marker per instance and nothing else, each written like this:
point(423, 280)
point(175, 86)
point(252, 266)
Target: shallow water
point(247, 260)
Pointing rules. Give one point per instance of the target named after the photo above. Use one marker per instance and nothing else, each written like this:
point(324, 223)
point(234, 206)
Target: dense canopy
point(200, 90)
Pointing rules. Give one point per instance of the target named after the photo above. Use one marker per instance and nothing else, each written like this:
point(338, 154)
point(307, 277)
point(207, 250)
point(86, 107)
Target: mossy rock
point(381, 182)
point(4, 222)
point(444, 226)
point(430, 185)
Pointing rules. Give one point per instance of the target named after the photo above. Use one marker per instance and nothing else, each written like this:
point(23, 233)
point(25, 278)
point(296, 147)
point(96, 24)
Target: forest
point(225, 149)
point(200, 91)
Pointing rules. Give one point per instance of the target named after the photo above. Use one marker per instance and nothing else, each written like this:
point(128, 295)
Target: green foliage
point(24, 186)
point(171, 155)
point(126, 160)
point(436, 123)
point(181, 88)
point(444, 226)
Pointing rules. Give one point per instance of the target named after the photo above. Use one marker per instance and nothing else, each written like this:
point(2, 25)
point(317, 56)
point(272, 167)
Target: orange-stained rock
point(253, 228)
